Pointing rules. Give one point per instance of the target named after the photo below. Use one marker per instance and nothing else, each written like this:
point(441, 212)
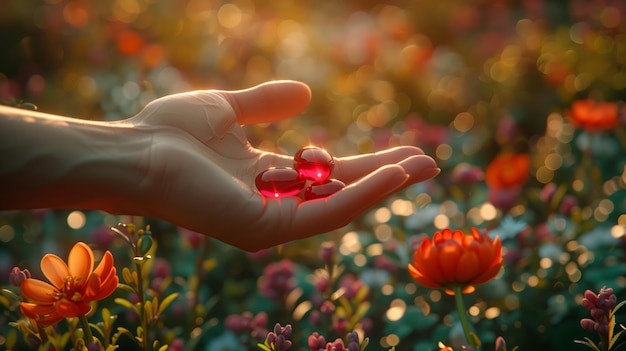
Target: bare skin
point(185, 159)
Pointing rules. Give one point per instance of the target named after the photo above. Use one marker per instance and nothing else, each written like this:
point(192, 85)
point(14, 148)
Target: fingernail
point(419, 164)
point(428, 173)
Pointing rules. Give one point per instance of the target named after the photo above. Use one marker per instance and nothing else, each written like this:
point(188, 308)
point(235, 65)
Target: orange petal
point(92, 287)
point(44, 314)
point(106, 288)
point(468, 267)
point(448, 260)
point(80, 262)
point(103, 270)
point(55, 270)
point(69, 309)
point(38, 291)
point(32, 310)
point(422, 279)
point(468, 289)
point(429, 264)
point(488, 274)
point(484, 253)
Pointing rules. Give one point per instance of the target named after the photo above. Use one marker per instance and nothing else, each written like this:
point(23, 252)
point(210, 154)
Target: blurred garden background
point(471, 82)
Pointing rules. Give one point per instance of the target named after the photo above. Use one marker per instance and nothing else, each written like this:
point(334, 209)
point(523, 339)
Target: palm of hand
point(200, 169)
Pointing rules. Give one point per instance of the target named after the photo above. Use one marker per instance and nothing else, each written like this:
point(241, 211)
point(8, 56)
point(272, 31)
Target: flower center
point(71, 289)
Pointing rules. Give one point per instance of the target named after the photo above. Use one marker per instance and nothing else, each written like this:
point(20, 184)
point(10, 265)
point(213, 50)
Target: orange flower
point(508, 170)
point(74, 286)
point(591, 115)
point(455, 259)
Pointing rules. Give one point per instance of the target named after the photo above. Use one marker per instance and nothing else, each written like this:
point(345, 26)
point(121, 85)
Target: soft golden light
point(360, 260)
point(76, 219)
point(441, 221)
point(229, 15)
point(6, 233)
point(396, 310)
point(617, 231)
point(492, 312)
point(350, 244)
point(443, 151)
point(382, 215)
point(401, 207)
point(383, 232)
point(374, 249)
point(463, 122)
point(488, 211)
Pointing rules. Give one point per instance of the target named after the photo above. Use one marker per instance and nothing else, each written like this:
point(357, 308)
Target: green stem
point(145, 324)
point(42, 334)
point(604, 342)
point(467, 329)
point(86, 330)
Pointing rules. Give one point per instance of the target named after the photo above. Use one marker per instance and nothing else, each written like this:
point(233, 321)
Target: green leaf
point(129, 278)
point(147, 310)
point(11, 339)
point(166, 302)
point(124, 331)
point(11, 294)
point(619, 305)
point(589, 343)
point(126, 287)
point(124, 236)
point(125, 303)
point(263, 347)
point(364, 344)
point(105, 314)
point(97, 328)
point(345, 305)
point(361, 294)
point(614, 339)
point(475, 340)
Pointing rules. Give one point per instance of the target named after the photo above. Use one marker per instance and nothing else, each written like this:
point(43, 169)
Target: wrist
point(58, 162)
point(109, 173)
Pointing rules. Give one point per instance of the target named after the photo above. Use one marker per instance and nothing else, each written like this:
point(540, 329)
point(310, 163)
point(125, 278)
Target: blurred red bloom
point(73, 286)
point(508, 170)
point(591, 115)
point(453, 258)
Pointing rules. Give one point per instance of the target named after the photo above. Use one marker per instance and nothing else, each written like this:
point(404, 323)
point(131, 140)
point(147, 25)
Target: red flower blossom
point(454, 258)
point(72, 286)
point(591, 115)
point(508, 170)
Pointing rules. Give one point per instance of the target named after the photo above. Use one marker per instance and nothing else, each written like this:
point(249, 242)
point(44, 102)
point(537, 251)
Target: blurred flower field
point(521, 103)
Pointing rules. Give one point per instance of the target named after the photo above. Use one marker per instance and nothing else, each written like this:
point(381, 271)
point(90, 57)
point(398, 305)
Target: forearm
point(49, 161)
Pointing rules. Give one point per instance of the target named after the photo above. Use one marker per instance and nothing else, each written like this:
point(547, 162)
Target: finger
point(323, 215)
point(351, 168)
point(419, 168)
point(269, 102)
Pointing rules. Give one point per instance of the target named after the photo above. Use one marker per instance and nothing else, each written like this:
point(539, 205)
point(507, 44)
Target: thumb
point(268, 102)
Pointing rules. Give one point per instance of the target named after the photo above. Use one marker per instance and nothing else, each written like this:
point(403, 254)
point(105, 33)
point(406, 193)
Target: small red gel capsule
point(313, 163)
point(322, 189)
point(279, 182)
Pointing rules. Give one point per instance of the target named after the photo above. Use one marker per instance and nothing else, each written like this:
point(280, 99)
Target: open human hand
point(200, 169)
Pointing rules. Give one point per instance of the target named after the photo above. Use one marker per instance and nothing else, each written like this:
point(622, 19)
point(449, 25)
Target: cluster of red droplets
point(312, 167)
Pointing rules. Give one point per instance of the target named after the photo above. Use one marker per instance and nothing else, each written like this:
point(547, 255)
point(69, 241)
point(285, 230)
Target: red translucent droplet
point(322, 189)
point(313, 163)
point(280, 182)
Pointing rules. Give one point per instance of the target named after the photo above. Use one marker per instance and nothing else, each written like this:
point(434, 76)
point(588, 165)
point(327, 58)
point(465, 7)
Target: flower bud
point(327, 252)
point(501, 344)
point(316, 342)
point(17, 276)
